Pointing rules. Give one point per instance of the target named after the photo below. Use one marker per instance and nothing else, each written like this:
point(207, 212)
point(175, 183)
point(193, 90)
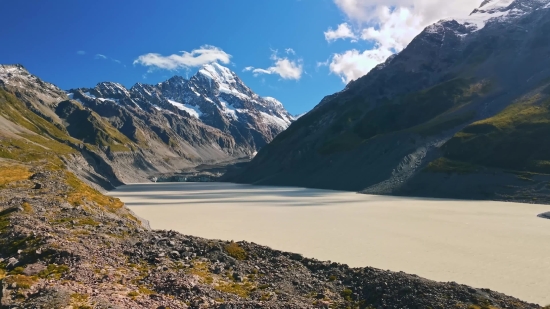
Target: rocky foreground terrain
point(65, 245)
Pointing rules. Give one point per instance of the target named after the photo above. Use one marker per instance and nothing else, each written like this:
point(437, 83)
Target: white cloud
point(366, 11)
point(342, 32)
point(396, 29)
point(282, 66)
point(197, 57)
point(287, 69)
point(323, 63)
point(81, 52)
point(389, 25)
point(100, 56)
point(353, 64)
point(261, 71)
point(290, 51)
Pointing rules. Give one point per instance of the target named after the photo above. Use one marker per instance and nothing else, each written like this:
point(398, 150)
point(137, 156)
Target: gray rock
point(12, 262)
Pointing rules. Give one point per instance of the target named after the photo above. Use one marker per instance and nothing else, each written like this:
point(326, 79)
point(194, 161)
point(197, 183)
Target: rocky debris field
point(64, 245)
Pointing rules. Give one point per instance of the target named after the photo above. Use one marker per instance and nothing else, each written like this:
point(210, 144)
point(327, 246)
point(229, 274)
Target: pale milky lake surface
point(496, 245)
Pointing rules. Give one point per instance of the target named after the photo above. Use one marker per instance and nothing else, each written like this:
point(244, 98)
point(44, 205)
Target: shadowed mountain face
point(467, 90)
point(110, 134)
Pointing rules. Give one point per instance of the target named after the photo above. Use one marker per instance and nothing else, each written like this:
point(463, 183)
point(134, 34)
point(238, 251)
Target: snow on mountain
point(226, 80)
point(192, 110)
point(497, 10)
point(215, 96)
point(216, 87)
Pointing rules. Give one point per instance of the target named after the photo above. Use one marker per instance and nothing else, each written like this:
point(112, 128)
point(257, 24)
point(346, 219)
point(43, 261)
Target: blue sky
point(46, 37)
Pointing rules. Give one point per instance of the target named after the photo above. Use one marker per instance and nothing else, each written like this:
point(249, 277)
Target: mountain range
point(128, 135)
point(462, 112)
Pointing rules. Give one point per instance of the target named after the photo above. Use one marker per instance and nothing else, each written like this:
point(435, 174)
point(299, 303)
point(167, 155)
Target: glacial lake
point(501, 246)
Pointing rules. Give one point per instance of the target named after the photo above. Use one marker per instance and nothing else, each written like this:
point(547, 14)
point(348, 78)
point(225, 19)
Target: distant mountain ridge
point(128, 135)
point(460, 113)
point(214, 96)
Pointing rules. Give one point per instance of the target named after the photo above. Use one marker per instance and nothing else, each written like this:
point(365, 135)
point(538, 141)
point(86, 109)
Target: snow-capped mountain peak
point(112, 90)
point(223, 80)
point(217, 85)
point(218, 73)
point(215, 96)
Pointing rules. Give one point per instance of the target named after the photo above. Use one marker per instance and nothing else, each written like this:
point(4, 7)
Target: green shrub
point(235, 251)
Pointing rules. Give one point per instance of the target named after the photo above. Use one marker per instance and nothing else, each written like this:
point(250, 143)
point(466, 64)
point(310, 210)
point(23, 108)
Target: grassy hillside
point(515, 139)
point(39, 139)
point(426, 112)
point(89, 127)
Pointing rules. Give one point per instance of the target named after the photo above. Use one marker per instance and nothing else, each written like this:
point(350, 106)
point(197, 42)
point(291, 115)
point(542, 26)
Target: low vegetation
point(235, 251)
point(81, 191)
point(444, 165)
point(11, 172)
point(425, 112)
point(514, 139)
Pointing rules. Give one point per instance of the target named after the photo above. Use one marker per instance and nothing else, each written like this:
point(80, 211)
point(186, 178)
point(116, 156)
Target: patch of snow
point(501, 10)
point(224, 78)
point(89, 95)
point(228, 109)
point(232, 91)
point(274, 102)
point(116, 101)
point(275, 121)
point(495, 4)
point(70, 95)
point(218, 73)
point(137, 105)
point(195, 91)
point(477, 20)
point(191, 110)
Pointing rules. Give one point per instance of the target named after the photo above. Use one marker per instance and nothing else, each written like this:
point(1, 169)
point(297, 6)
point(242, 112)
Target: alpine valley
point(116, 135)
point(462, 112)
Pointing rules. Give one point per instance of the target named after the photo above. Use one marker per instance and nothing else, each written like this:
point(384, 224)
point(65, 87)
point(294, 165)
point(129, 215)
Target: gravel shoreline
point(90, 255)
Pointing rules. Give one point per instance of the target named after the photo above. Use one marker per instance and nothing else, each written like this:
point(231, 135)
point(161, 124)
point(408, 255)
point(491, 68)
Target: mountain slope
point(383, 129)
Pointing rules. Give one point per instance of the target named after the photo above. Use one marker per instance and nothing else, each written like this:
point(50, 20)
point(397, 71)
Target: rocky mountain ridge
point(214, 96)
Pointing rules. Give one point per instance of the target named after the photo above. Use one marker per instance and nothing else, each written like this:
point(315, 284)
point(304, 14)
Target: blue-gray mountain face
point(458, 113)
